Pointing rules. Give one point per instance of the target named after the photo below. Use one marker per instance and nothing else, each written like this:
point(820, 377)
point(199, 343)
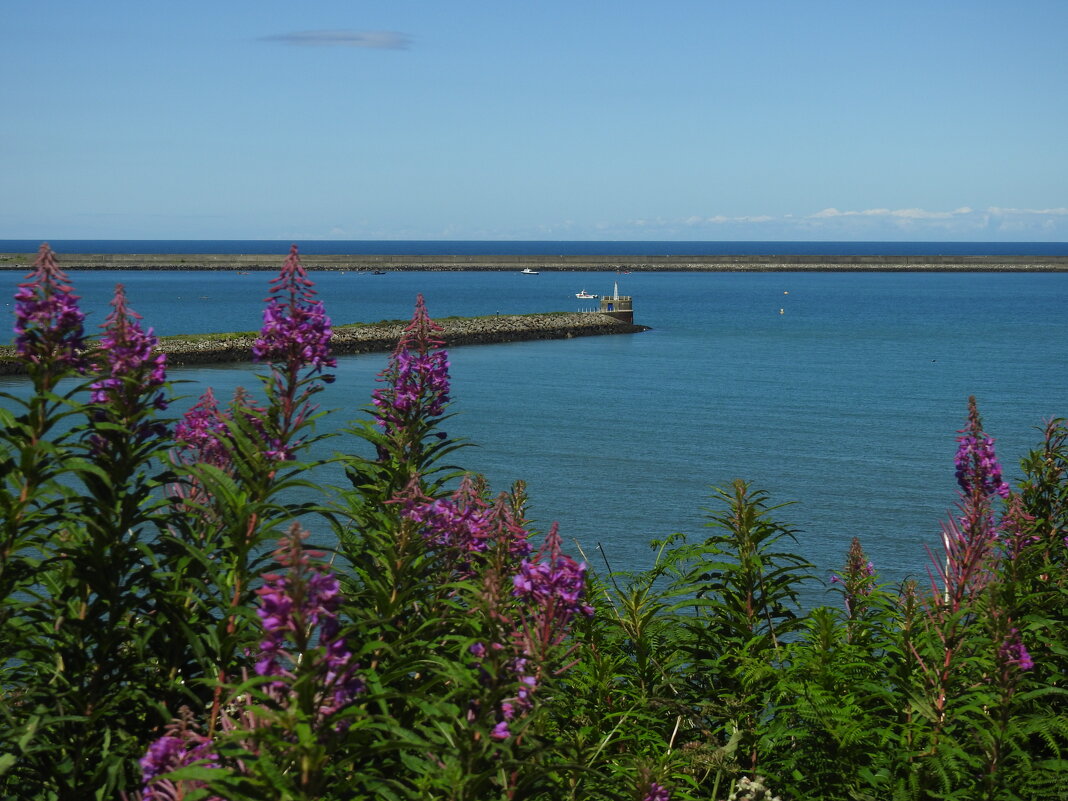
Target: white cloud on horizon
point(962, 223)
point(908, 214)
point(374, 40)
point(1059, 212)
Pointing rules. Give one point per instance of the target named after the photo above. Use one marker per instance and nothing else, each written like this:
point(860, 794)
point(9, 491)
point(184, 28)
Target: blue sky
point(705, 120)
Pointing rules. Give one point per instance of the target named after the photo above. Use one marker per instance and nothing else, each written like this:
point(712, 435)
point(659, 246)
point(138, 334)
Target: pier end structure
point(621, 307)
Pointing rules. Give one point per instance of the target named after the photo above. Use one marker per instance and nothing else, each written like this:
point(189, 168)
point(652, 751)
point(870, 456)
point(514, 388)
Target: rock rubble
point(383, 337)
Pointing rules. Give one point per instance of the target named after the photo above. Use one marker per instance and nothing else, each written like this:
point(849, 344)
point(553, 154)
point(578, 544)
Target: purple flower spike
point(1014, 652)
point(417, 375)
point(180, 747)
point(49, 327)
point(296, 331)
point(656, 792)
point(131, 374)
point(163, 756)
point(461, 524)
point(202, 432)
point(555, 584)
point(979, 476)
point(293, 609)
point(978, 470)
point(128, 354)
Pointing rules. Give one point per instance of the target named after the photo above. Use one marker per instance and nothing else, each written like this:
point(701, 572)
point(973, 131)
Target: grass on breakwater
point(366, 263)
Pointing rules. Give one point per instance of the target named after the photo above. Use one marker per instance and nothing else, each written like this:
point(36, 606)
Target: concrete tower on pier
point(619, 306)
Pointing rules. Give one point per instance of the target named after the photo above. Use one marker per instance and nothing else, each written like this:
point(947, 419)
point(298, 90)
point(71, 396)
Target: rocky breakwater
point(367, 263)
point(382, 337)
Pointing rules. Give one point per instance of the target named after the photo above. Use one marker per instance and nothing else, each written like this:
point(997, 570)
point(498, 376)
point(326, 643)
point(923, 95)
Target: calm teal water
point(847, 402)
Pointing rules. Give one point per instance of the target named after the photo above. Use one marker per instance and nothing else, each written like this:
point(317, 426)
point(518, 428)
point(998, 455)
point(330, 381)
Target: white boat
point(528, 271)
point(584, 295)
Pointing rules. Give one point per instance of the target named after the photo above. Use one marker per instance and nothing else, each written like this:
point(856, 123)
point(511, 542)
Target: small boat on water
point(528, 271)
point(584, 295)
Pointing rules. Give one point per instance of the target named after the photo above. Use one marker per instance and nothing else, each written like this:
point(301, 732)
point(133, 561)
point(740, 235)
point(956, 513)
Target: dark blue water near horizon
point(541, 247)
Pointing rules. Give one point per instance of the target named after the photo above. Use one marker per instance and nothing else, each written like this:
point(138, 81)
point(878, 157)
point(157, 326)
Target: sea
point(840, 394)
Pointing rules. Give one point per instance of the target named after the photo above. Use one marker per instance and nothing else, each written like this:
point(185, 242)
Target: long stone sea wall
point(370, 262)
point(383, 337)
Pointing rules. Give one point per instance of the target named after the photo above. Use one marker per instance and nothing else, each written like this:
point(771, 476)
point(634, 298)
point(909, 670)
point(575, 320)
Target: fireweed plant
point(169, 632)
point(50, 342)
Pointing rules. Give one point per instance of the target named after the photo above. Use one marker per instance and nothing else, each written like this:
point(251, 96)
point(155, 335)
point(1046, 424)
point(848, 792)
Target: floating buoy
point(782, 311)
point(786, 292)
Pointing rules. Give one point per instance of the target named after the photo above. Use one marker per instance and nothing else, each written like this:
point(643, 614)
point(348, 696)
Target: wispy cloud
point(964, 223)
point(1059, 212)
point(719, 219)
point(901, 214)
point(963, 220)
point(374, 40)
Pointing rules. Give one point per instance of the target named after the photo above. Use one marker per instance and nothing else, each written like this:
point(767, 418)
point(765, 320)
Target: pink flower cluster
point(293, 609)
point(296, 330)
point(131, 367)
point(1014, 652)
point(978, 469)
point(179, 748)
point(49, 327)
point(421, 386)
point(131, 375)
point(464, 524)
point(202, 432)
point(417, 375)
point(550, 587)
point(553, 581)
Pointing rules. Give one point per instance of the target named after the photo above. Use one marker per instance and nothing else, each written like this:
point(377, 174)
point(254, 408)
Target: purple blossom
point(550, 586)
point(293, 609)
point(417, 376)
point(448, 524)
point(202, 432)
point(164, 755)
point(130, 366)
point(978, 470)
point(130, 372)
point(656, 792)
point(555, 583)
point(49, 327)
point(979, 477)
point(1014, 652)
point(465, 525)
point(179, 747)
point(296, 330)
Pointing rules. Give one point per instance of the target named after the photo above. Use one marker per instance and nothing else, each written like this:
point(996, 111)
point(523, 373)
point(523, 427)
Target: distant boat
point(528, 271)
point(584, 295)
point(378, 272)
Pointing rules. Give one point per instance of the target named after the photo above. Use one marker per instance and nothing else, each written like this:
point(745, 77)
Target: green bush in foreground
point(169, 633)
